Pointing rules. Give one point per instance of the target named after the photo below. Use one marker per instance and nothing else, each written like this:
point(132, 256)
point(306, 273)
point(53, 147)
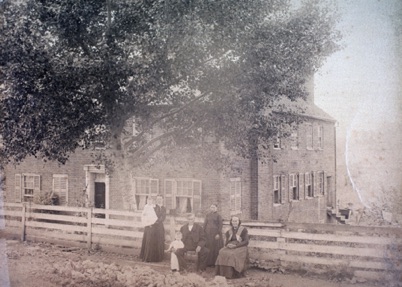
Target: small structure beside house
point(297, 185)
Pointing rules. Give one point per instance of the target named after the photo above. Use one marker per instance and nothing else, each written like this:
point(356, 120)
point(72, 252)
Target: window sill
point(232, 212)
point(277, 204)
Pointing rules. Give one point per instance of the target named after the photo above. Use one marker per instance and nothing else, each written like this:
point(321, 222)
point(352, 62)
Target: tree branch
point(173, 112)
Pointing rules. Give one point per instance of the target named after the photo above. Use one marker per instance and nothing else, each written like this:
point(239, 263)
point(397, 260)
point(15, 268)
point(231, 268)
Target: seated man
point(194, 240)
point(233, 259)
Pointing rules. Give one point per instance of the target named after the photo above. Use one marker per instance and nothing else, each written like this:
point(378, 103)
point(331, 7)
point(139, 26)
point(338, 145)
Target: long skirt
point(214, 245)
point(153, 244)
point(232, 263)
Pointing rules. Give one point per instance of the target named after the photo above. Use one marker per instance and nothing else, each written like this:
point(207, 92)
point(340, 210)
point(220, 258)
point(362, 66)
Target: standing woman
point(148, 219)
point(213, 230)
point(159, 229)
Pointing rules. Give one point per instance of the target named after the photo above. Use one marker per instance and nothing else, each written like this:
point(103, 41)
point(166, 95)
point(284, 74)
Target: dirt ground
point(48, 265)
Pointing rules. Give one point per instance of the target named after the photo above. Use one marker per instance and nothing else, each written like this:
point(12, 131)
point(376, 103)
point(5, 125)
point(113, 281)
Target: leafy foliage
point(75, 72)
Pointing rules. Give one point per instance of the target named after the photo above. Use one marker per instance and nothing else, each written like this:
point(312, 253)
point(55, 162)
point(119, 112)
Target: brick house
point(297, 186)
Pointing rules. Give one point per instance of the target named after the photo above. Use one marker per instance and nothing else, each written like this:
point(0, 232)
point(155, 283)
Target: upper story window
point(235, 195)
point(320, 137)
point(277, 142)
point(294, 140)
point(309, 136)
point(183, 195)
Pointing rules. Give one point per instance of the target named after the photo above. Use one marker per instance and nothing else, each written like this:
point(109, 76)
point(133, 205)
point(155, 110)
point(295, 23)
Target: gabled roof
point(307, 108)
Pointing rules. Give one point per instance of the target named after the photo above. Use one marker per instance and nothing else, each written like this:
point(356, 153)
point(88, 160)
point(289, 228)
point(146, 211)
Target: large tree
point(76, 71)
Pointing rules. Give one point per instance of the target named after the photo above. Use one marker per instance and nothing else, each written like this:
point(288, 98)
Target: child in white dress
point(176, 244)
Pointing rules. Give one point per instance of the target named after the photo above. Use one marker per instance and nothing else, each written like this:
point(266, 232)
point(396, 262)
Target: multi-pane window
point(235, 195)
point(277, 142)
point(294, 186)
point(144, 187)
point(320, 137)
point(26, 187)
point(60, 187)
point(309, 136)
point(294, 139)
point(308, 184)
point(277, 189)
point(183, 195)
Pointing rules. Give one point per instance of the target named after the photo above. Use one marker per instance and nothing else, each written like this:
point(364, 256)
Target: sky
point(363, 76)
point(360, 85)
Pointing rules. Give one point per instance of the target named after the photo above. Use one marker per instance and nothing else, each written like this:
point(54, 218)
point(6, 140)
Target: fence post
point(23, 222)
point(89, 228)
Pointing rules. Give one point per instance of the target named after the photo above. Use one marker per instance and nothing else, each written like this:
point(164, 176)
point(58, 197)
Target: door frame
point(96, 173)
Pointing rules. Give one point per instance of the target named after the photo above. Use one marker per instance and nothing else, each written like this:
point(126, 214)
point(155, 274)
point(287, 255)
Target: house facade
point(297, 184)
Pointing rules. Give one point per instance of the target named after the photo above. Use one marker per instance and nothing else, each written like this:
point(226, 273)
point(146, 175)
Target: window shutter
point(170, 201)
point(232, 195)
point(17, 188)
point(196, 195)
point(154, 187)
point(133, 185)
point(60, 187)
point(315, 184)
point(301, 184)
point(290, 189)
point(283, 188)
point(323, 182)
point(36, 184)
point(306, 183)
point(238, 196)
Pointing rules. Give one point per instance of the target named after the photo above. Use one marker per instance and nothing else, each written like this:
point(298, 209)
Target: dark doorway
point(100, 197)
point(330, 196)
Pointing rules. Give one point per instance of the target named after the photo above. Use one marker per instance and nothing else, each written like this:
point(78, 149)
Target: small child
point(176, 244)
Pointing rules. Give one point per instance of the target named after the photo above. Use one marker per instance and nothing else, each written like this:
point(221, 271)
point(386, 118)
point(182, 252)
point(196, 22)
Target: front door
point(100, 196)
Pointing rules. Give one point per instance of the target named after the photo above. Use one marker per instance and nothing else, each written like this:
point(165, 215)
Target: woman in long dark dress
point(233, 259)
point(159, 230)
point(153, 241)
point(213, 230)
point(148, 219)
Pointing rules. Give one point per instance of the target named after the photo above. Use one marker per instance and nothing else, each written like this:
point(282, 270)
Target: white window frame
point(235, 195)
point(181, 190)
point(277, 190)
point(277, 143)
point(141, 193)
point(294, 138)
point(21, 186)
point(57, 187)
point(308, 181)
point(309, 137)
point(294, 192)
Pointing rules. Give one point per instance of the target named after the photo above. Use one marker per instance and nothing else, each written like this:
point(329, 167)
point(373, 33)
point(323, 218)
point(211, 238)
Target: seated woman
point(232, 259)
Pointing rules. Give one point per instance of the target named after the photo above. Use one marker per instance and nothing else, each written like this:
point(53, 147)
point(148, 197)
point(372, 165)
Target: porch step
point(341, 215)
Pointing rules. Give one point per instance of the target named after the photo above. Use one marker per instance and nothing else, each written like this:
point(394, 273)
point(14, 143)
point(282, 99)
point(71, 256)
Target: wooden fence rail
point(369, 252)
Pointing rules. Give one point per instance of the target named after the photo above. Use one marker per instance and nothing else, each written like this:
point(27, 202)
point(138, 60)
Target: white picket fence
point(344, 250)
